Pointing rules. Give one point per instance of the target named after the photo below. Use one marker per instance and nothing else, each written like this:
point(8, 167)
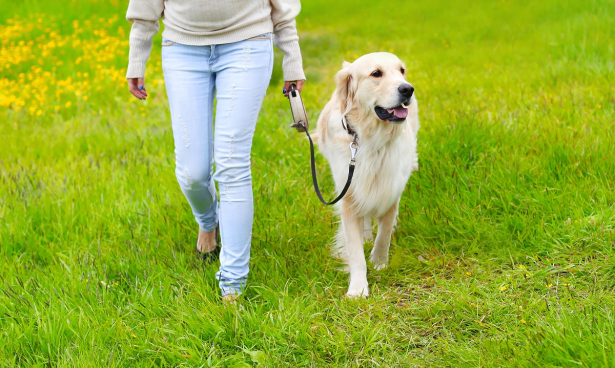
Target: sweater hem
point(237, 35)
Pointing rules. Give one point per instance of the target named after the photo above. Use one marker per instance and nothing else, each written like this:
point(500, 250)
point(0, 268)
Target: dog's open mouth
point(395, 114)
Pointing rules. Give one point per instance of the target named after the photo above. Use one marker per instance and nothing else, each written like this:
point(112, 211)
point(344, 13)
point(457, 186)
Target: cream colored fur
point(385, 158)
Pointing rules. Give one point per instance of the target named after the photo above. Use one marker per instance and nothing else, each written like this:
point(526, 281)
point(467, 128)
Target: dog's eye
point(403, 71)
point(377, 73)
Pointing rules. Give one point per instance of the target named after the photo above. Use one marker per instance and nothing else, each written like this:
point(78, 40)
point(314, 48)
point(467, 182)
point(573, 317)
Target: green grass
point(504, 252)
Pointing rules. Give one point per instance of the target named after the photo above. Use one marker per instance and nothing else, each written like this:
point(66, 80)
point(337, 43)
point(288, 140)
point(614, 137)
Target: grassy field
point(504, 254)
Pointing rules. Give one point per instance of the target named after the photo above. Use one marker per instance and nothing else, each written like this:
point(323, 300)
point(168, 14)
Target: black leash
point(353, 152)
point(301, 124)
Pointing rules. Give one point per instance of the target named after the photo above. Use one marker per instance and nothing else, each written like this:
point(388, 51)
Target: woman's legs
point(240, 72)
point(190, 89)
point(243, 72)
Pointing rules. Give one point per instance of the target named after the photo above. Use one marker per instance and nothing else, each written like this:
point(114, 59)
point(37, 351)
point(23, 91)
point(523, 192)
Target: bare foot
point(230, 299)
point(207, 241)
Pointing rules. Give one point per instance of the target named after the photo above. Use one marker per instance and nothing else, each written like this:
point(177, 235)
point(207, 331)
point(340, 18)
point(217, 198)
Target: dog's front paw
point(380, 266)
point(379, 261)
point(358, 291)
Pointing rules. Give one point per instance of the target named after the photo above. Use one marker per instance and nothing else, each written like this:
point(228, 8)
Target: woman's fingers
point(141, 86)
point(286, 88)
point(298, 85)
point(137, 88)
point(133, 86)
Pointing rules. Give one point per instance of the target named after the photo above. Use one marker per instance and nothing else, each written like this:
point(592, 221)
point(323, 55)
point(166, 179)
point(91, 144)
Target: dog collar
point(347, 127)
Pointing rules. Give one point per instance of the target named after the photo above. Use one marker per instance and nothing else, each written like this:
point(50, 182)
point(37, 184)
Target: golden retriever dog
point(374, 101)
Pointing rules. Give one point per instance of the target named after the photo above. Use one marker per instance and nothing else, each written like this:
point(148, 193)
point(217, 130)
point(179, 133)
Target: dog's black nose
point(406, 90)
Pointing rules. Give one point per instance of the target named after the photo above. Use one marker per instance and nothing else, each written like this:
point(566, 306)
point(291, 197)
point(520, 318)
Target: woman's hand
point(137, 88)
point(298, 83)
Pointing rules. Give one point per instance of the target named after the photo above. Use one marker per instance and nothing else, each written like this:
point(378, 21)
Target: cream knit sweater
point(213, 22)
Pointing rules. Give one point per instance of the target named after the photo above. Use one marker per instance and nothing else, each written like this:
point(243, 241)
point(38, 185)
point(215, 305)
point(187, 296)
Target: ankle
point(207, 241)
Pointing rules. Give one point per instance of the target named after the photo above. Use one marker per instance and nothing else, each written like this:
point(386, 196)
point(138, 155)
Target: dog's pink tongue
point(399, 112)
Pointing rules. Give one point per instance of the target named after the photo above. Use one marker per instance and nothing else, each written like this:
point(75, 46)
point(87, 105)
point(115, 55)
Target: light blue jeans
point(238, 75)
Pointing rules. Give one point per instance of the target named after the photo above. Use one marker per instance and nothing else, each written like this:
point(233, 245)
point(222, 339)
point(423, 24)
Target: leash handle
point(353, 151)
point(298, 110)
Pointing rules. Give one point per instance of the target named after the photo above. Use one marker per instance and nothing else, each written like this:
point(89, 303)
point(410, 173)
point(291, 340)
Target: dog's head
point(375, 84)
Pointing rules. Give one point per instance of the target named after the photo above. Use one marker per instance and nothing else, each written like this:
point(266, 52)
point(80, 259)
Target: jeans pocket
point(166, 42)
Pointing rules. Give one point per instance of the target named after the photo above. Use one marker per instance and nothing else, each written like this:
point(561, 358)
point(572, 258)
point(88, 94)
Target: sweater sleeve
point(144, 16)
point(283, 13)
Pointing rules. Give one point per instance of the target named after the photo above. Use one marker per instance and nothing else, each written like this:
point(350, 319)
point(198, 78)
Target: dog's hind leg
point(353, 237)
point(380, 253)
point(367, 228)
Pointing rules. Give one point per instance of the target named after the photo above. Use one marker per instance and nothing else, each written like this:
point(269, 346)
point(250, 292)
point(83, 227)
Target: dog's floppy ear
point(345, 87)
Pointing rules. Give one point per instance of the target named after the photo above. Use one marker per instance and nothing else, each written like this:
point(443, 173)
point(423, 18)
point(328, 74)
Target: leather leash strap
point(353, 151)
point(300, 123)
